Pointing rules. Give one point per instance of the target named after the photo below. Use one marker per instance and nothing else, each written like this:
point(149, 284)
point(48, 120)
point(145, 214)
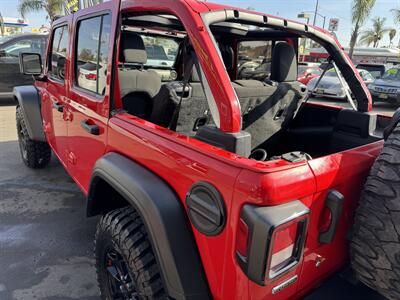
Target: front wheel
point(125, 263)
point(35, 154)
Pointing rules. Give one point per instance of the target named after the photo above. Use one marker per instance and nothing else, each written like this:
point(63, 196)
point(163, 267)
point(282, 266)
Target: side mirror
point(30, 63)
point(3, 53)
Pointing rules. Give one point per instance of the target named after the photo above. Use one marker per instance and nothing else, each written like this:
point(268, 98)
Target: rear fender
point(165, 220)
point(29, 100)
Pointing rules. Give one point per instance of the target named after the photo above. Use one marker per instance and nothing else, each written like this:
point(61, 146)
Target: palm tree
point(392, 34)
point(360, 12)
point(396, 14)
point(52, 7)
point(2, 29)
point(376, 33)
point(367, 38)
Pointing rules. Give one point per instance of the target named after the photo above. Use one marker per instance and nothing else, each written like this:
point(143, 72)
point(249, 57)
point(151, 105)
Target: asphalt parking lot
point(46, 240)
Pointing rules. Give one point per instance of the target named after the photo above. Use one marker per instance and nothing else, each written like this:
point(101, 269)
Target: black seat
point(265, 107)
point(137, 86)
point(268, 107)
point(193, 112)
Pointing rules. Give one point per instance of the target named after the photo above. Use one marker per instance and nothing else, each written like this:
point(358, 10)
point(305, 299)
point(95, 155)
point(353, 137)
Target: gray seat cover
point(137, 86)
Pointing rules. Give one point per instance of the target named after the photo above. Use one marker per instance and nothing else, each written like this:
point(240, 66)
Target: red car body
point(307, 74)
point(182, 161)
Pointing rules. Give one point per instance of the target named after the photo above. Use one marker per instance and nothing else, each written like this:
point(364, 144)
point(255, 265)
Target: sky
point(285, 8)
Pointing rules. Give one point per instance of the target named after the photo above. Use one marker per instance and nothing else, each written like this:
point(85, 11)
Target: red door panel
point(89, 89)
point(54, 93)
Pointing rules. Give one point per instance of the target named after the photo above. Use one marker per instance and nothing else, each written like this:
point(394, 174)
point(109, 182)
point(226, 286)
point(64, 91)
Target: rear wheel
point(125, 263)
point(375, 245)
point(35, 154)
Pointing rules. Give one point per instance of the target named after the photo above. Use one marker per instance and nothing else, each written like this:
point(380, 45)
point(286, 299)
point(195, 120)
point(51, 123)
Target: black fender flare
point(29, 100)
point(165, 220)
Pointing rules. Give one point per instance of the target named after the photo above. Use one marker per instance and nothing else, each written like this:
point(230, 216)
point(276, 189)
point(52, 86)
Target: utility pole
point(315, 13)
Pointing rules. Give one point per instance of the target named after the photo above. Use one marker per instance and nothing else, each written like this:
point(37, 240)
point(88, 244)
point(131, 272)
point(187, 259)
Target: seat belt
point(187, 70)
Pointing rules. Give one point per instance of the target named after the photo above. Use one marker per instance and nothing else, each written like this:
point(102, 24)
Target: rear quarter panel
point(180, 167)
point(176, 161)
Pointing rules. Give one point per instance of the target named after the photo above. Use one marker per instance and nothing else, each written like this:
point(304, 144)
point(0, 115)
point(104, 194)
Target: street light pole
point(316, 12)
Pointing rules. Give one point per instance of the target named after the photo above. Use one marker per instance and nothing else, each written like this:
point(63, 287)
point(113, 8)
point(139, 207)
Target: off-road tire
point(35, 154)
point(375, 244)
point(123, 230)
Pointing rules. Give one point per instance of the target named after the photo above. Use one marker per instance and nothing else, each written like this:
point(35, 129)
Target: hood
point(387, 82)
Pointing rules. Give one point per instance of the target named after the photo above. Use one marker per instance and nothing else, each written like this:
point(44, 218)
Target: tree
point(396, 14)
point(367, 38)
point(360, 12)
point(376, 33)
point(392, 34)
point(2, 28)
point(52, 7)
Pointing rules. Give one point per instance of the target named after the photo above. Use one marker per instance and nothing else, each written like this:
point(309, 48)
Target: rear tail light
point(286, 247)
point(91, 76)
point(270, 240)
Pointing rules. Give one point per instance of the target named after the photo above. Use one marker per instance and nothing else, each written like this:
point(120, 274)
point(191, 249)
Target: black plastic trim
point(29, 101)
point(239, 143)
point(334, 202)
point(165, 221)
point(262, 221)
point(206, 209)
point(393, 123)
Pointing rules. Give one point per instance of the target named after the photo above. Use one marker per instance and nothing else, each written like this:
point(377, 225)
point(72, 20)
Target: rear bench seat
point(265, 107)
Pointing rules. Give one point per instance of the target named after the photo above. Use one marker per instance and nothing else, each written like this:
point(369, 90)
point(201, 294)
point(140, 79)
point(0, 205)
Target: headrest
point(132, 48)
point(284, 63)
point(228, 55)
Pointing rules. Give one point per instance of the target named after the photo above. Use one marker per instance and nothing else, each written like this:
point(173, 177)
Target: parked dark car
point(387, 88)
point(10, 48)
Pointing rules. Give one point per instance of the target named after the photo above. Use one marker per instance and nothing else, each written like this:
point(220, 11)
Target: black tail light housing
point(274, 241)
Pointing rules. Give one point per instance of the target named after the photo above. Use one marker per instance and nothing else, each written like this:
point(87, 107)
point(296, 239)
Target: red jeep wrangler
point(213, 182)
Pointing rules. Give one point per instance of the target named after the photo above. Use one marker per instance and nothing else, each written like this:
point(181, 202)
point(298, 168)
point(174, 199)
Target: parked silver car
point(330, 86)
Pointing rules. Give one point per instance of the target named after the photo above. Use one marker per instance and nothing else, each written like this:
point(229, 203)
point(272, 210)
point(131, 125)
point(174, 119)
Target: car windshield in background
point(161, 51)
point(4, 39)
point(331, 73)
point(392, 74)
point(376, 70)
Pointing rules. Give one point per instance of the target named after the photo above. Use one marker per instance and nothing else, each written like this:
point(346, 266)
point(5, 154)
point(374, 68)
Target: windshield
point(331, 73)
point(4, 39)
point(392, 74)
